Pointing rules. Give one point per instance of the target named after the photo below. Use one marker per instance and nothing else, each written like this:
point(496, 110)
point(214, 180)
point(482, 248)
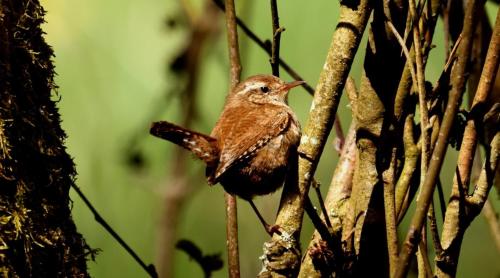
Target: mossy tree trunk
point(38, 237)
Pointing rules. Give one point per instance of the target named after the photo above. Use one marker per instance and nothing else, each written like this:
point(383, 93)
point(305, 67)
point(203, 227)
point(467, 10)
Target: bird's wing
point(247, 133)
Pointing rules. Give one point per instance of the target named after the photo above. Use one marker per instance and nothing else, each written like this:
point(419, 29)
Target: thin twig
point(451, 57)
point(150, 269)
point(405, 50)
point(492, 218)
point(316, 187)
point(275, 47)
point(434, 230)
point(436, 162)
point(442, 202)
point(388, 178)
point(230, 200)
point(422, 95)
point(427, 271)
point(319, 225)
point(409, 168)
point(266, 48)
point(336, 201)
point(425, 127)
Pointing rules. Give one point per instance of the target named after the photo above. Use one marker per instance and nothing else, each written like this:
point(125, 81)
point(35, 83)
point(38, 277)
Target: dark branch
point(150, 269)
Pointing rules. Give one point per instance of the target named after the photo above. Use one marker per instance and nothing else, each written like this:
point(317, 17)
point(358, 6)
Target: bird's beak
point(292, 84)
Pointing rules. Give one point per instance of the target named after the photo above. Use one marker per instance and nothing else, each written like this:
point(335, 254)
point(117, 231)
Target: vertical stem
point(233, 45)
point(424, 113)
point(275, 48)
point(233, 258)
point(388, 177)
point(424, 122)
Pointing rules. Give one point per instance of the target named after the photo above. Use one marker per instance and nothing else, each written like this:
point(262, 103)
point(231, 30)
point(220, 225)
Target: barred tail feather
point(202, 146)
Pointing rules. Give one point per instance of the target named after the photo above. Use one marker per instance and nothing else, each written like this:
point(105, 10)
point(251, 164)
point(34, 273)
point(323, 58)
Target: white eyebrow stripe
point(251, 87)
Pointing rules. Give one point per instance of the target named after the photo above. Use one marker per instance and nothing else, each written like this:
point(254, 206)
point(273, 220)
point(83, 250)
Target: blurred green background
point(112, 60)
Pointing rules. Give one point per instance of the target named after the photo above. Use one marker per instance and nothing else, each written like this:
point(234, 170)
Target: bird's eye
point(264, 89)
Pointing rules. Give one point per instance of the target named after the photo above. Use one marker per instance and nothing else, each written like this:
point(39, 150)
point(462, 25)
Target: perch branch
point(492, 218)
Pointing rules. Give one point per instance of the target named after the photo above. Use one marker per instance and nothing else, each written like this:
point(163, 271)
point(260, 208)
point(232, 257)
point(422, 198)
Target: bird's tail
point(202, 146)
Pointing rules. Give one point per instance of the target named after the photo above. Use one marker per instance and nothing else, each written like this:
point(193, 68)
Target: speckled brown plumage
point(250, 147)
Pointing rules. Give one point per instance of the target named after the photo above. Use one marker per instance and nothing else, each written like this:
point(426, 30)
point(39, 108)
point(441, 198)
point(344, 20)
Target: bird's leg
point(270, 229)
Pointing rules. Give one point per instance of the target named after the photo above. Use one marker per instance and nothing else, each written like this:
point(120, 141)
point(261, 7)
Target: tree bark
point(37, 234)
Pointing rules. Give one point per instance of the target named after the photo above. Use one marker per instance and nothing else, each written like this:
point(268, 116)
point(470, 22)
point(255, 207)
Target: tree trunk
point(37, 235)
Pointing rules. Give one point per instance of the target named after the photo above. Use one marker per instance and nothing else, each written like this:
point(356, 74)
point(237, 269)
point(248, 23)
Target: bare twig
point(317, 222)
point(434, 230)
point(208, 263)
point(451, 56)
point(425, 127)
point(150, 269)
point(436, 162)
point(493, 222)
point(336, 201)
point(275, 47)
point(388, 177)
point(409, 167)
point(230, 200)
point(405, 51)
point(266, 48)
point(442, 202)
point(422, 96)
point(427, 270)
point(316, 187)
point(233, 45)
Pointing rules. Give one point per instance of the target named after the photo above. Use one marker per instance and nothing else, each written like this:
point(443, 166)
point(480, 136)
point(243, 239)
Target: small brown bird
point(252, 143)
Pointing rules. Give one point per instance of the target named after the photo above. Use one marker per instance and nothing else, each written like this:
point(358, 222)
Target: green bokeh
point(112, 59)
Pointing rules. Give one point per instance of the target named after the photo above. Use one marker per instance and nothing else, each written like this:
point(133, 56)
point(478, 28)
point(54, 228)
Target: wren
point(251, 146)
